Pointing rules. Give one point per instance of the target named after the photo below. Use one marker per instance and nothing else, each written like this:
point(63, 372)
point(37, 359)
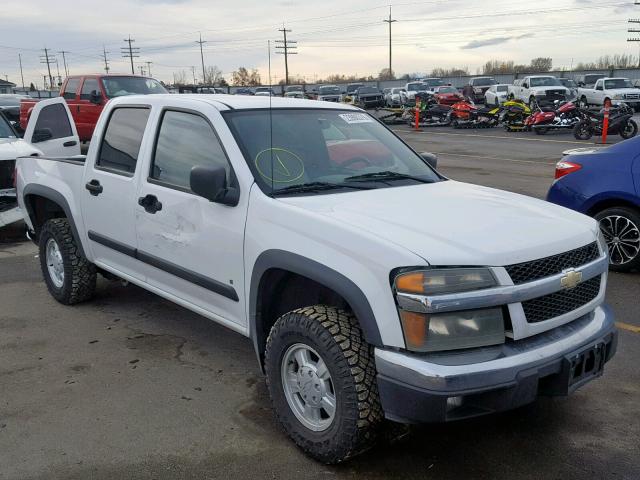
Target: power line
point(204, 73)
point(390, 21)
point(285, 46)
point(130, 52)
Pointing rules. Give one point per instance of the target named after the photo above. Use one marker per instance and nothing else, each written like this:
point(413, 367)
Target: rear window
point(71, 88)
point(55, 119)
point(122, 140)
point(484, 81)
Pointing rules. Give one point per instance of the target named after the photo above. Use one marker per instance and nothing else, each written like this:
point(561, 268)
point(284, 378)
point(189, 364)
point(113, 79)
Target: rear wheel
point(629, 130)
point(582, 103)
point(582, 131)
point(542, 130)
point(621, 229)
point(70, 277)
point(322, 381)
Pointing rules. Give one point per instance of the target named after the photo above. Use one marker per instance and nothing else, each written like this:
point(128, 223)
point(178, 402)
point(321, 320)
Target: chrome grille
point(631, 96)
point(545, 267)
point(561, 302)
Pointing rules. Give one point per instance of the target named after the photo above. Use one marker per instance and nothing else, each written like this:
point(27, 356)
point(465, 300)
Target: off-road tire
point(79, 274)
point(333, 333)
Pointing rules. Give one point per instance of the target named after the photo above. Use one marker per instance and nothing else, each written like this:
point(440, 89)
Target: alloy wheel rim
point(55, 264)
point(308, 387)
point(622, 237)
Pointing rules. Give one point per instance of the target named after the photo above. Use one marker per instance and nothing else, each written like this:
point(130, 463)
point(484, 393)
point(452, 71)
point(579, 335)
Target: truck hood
point(12, 148)
point(623, 91)
point(547, 88)
point(453, 223)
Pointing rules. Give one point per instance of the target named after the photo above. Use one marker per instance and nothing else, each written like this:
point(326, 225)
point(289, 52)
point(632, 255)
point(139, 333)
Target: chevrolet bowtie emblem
point(571, 279)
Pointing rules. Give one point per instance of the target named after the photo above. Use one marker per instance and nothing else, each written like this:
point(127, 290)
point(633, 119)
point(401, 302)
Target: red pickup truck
point(86, 96)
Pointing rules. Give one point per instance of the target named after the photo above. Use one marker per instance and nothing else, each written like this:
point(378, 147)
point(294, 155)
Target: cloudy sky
point(334, 36)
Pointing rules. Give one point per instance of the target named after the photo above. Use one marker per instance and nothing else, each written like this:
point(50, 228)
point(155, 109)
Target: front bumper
point(454, 385)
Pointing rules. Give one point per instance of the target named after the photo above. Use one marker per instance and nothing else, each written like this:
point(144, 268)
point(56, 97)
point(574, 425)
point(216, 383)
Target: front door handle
point(70, 143)
point(94, 187)
point(150, 203)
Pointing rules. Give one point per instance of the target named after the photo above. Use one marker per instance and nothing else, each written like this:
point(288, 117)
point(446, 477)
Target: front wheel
point(621, 229)
point(322, 382)
point(69, 276)
point(582, 131)
point(542, 130)
point(629, 129)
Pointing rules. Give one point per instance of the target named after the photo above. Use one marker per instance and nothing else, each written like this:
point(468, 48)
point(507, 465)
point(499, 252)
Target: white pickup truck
point(538, 88)
point(617, 90)
point(370, 285)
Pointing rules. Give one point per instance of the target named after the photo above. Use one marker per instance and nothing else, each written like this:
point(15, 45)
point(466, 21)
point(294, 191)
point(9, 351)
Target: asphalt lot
point(132, 386)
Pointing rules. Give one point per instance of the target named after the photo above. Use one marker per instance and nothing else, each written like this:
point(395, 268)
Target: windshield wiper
point(387, 175)
point(317, 187)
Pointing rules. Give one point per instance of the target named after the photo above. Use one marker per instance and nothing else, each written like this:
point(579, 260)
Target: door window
point(89, 85)
point(122, 140)
point(54, 118)
point(184, 141)
point(71, 88)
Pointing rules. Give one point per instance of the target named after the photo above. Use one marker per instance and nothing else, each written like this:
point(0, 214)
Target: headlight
point(451, 330)
point(446, 280)
point(618, 96)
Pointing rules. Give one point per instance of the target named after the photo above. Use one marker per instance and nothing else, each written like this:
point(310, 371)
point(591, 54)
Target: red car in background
point(447, 95)
point(86, 96)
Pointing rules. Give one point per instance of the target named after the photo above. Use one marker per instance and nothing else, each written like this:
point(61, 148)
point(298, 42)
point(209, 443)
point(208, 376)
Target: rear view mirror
point(41, 135)
point(430, 158)
point(211, 183)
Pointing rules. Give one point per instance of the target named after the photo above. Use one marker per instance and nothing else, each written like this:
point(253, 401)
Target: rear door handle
point(70, 143)
point(94, 187)
point(150, 204)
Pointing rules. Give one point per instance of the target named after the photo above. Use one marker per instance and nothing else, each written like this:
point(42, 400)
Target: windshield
point(568, 82)
point(617, 83)
point(447, 90)
point(311, 146)
point(545, 82)
point(483, 81)
point(433, 82)
point(416, 87)
point(502, 88)
point(294, 88)
point(354, 87)
point(121, 86)
point(5, 129)
point(329, 90)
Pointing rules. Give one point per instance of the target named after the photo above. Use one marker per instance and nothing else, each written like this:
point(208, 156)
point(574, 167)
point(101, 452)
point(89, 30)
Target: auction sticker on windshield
point(356, 118)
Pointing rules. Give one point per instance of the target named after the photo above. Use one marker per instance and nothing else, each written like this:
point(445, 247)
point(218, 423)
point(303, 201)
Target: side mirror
point(430, 158)
point(95, 97)
point(211, 183)
point(525, 86)
point(41, 135)
point(581, 84)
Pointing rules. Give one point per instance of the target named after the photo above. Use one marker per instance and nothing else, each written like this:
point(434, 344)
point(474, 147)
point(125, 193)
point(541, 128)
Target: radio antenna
point(270, 118)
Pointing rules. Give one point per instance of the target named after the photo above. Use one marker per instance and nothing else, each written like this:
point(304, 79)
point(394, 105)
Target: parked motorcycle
point(465, 114)
point(513, 114)
point(432, 114)
point(563, 115)
point(620, 123)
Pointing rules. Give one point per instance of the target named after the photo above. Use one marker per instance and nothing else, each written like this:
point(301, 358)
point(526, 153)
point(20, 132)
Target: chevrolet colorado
point(370, 285)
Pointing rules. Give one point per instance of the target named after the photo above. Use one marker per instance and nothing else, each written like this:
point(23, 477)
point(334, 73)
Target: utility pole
point(106, 62)
point(148, 67)
point(284, 47)
point(204, 73)
point(64, 62)
point(193, 71)
point(130, 52)
point(21, 73)
point(390, 21)
point(48, 60)
point(58, 70)
point(141, 70)
point(634, 30)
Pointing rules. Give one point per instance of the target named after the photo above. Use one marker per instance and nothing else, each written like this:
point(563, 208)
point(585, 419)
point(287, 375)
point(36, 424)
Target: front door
point(87, 110)
point(51, 129)
point(193, 248)
point(108, 194)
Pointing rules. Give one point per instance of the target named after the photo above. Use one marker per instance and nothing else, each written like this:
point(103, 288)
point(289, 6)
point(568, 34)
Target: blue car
point(605, 183)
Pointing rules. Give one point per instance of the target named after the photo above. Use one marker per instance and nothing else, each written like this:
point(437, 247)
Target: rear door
point(51, 129)
point(109, 193)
